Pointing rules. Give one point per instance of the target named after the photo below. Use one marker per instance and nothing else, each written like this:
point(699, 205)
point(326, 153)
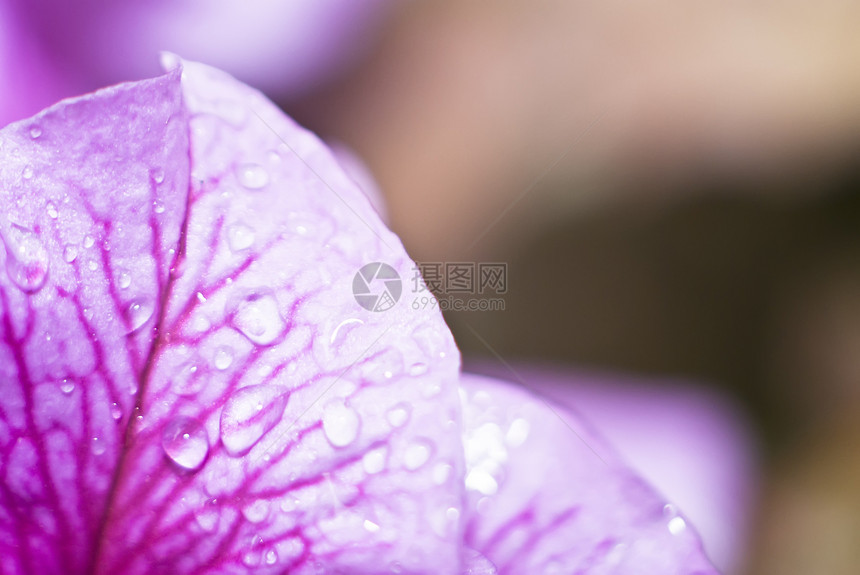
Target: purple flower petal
point(547, 496)
point(189, 385)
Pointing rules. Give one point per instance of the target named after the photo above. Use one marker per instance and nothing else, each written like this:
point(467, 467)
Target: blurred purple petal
point(284, 47)
point(545, 495)
point(29, 81)
point(692, 444)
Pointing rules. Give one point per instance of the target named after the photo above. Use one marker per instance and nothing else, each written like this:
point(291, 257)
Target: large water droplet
point(116, 412)
point(398, 415)
point(339, 333)
point(223, 357)
point(374, 460)
point(416, 455)
point(99, 446)
point(158, 175)
point(517, 433)
point(67, 386)
point(35, 132)
point(240, 237)
point(418, 369)
point(185, 442)
point(340, 423)
point(254, 556)
point(252, 176)
point(89, 242)
point(256, 511)
point(186, 380)
point(26, 258)
point(677, 525)
point(123, 279)
point(271, 557)
point(371, 526)
point(258, 318)
point(249, 414)
point(207, 519)
point(138, 313)
point(51, 209)
point(70, 253)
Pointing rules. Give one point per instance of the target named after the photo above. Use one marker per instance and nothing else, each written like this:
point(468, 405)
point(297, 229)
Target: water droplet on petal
point(70, 253)
point(123, 279)
point(374, 460)
point(207, 519)
point(480, 480)
point(26, 259)
point(158, 175)
point(256, 511)
point(339, 332)
point(271, 557)
point(677, 525)
point(418, 369)
point(67, 386)
point(51, 209)
point(116, 411)
point(223, 357)
point(89, 242)
point(158, 207)
point(416, 455)
point(185, 442)
point(27, 173)
point(398, 415)
point(98, 446)
point(240, 237)
point(432, 389)
point(258, 318)
point(249, 414)
point(517, 433)
point(253, 176)
point(137, 314)
point(35, 132)
point(340, 423)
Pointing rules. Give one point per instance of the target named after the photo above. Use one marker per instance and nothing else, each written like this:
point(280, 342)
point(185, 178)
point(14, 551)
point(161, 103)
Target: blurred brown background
point(674, 188)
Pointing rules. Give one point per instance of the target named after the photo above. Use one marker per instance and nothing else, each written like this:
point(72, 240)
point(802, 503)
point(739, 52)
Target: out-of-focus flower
point(29, 81)
point(189, 386)
point(693, 445)
point(52, 49)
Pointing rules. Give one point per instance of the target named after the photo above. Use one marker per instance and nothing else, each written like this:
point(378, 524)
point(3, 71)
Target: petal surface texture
point(545, 495)
point(189, 384)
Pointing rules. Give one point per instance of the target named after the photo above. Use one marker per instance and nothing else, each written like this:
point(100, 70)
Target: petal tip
point(169, 61)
